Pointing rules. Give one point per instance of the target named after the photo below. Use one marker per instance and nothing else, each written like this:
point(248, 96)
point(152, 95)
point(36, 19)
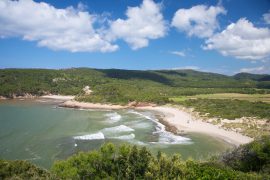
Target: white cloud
point(58, 29)
point(266, 17)
point(200, 21)
point(257, 70)
point(241, 40)
point(178, 53)
point(142, 24)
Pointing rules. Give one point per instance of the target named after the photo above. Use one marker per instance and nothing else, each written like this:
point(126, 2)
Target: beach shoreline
point(175, 119)
point(184, 122)
point(48, 96)
point(87, 105)
point(57, 97)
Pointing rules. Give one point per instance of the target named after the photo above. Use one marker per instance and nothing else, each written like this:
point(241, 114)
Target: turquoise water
point(38, 131)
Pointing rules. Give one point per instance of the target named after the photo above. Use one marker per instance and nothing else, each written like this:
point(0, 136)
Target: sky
point(225, 36)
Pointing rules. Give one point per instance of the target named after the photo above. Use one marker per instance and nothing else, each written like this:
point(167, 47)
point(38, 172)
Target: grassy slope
point(229, 109)
point(238, 96)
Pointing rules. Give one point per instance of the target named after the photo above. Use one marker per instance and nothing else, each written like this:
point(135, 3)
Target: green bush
point(128, 162)
point(249, 161)
point(229, 109)
point(254, 156)
point(22, 170)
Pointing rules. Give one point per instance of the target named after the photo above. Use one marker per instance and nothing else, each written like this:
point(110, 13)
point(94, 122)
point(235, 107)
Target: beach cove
point(41, 132)
point(178, 119)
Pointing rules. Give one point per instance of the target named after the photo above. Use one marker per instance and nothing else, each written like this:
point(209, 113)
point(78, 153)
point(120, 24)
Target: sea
point(41, 132)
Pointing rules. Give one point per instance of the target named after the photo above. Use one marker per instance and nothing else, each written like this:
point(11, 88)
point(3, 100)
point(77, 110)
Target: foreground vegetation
point(253, 157)
point(251, 161)
point(22, 170)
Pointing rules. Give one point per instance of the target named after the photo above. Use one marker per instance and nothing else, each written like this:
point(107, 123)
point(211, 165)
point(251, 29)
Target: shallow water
point(38, 131)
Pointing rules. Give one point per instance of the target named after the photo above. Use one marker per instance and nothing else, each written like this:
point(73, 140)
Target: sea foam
point(170, 138)
point(165, 137)
point(94, 136)
point(113, 117)
point(141, 124)
point(140, 114)
point(125, 137)
point(117, 129)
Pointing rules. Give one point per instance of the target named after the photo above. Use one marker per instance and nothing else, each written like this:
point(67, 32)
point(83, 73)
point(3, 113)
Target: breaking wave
point(113, 117)
point(125, 137)
point(117, 129)
point(169, 138)
point(140, 114)
point(140, 124)
point(165, 137)
point(94, 136)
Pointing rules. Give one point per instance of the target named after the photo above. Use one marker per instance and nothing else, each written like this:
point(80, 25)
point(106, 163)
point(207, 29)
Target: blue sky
point(227, 37)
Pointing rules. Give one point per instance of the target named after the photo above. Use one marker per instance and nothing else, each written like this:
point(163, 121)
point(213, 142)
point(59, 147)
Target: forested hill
point(115, 85)
point(256, 77)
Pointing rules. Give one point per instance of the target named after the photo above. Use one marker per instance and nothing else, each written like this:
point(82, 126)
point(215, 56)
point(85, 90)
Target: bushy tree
point(254, 156)
point(128, 162)
point(22, 170)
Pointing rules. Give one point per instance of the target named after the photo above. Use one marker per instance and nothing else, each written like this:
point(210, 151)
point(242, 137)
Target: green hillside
point(123, 86)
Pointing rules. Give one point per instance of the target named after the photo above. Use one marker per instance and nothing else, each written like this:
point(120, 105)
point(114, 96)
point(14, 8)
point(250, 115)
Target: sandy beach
point(2, 98)
point(184, 122)
point(177, 118)
point(58, 97)
point(86, 105)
